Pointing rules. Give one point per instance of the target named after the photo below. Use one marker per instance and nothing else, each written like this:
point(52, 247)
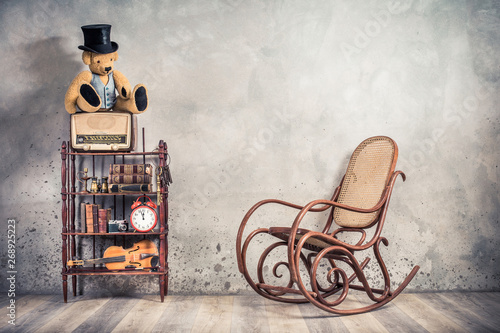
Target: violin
point(143, 254)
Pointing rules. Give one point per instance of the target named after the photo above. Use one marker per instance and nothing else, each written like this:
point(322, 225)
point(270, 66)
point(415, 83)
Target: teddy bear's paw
point(88, 100)
point(141, 99)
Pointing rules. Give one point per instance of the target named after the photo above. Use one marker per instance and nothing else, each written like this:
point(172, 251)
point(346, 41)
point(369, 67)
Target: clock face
point(143, 218)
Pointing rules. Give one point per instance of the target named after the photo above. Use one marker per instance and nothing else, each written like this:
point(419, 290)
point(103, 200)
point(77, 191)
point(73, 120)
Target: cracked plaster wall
point(266, 99)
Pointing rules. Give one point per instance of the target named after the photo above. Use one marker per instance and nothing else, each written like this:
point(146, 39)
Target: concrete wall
point(267, 99)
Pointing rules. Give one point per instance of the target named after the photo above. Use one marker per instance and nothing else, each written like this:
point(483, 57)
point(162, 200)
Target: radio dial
point(86, 147)
point(114, 147)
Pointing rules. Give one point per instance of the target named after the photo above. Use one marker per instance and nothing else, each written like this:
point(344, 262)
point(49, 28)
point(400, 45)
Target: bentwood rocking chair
point(319, 261)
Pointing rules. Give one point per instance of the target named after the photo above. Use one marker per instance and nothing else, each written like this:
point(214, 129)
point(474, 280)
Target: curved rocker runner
point(322, 267)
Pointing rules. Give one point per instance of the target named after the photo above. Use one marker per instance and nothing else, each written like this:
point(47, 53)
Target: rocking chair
point(359, 204)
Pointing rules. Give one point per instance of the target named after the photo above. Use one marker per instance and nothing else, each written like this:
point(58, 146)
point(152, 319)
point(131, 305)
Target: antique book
point(83, 217)
point(121, 178)
point(127, 188)
point(130, 169)
point(89, 220)
point(95, 217)
point(104, 217)
point(92, 217)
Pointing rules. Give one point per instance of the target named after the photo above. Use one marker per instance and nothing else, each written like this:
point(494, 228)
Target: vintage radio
point(103, 131)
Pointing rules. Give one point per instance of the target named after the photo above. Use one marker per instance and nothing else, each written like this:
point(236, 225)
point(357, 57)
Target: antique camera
point(117, 226)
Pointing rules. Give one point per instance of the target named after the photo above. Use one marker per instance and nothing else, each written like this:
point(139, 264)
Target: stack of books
point(126, 178)
point(93, 218)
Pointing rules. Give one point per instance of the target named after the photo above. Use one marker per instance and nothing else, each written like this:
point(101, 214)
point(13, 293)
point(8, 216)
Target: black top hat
point(97, 39)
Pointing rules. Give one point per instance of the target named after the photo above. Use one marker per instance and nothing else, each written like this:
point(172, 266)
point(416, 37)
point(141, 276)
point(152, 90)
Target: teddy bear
point(102, 88)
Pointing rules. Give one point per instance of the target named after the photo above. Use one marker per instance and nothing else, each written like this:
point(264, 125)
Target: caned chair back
point(369, 170)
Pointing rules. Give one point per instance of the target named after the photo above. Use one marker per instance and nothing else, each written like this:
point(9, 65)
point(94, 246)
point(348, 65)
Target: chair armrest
point(361, 231)
point(275, 201)
point(247, 217)
point(283, 203)
point(330, 203)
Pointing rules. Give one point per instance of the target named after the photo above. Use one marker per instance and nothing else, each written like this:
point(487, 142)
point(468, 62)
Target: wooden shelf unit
point(70, 235)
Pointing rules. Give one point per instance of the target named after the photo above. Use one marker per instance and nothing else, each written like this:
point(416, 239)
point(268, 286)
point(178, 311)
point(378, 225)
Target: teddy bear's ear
point(115, 56)
point(86, 57)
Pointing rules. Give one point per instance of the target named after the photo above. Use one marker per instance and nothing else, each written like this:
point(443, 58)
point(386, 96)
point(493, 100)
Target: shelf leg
point(74, 284)
point(65, 288)
point(162, 288)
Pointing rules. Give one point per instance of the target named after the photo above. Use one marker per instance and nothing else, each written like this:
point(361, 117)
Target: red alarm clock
point(143, 217)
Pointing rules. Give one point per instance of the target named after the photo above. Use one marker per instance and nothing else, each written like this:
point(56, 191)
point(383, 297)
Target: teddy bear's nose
point(107, 69)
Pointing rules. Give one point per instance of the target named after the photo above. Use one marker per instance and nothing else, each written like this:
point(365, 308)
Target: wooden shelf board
point(117, 153)
point(113, 194)
point(105, 271)
point(112, 233)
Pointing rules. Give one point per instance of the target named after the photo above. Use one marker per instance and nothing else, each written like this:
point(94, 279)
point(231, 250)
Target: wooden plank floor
point(423, 312)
